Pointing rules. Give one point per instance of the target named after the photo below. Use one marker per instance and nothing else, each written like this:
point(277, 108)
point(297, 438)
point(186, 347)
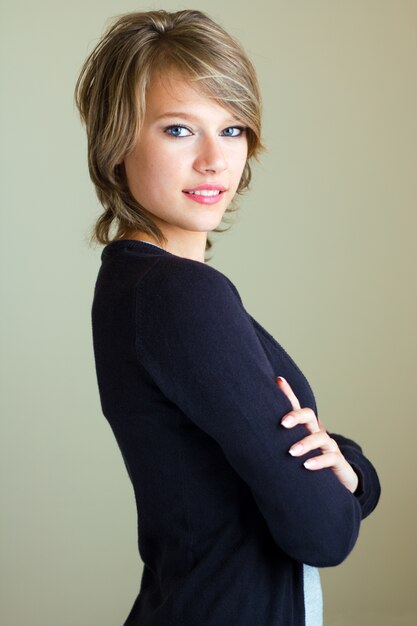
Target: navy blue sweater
point(226, 516)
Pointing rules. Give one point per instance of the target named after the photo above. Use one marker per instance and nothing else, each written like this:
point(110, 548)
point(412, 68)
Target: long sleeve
point(369, 488)
point(196, 341)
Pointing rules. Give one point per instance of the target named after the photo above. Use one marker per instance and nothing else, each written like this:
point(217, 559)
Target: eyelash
point(241, 128)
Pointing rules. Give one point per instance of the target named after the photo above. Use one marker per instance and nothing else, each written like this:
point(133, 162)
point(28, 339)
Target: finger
point(338, 464)
point(330, 459)
point(321, 425)
point(286, 388)
point(319, 440)
point(304, 416)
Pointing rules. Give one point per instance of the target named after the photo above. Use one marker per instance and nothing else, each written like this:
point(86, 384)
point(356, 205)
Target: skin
point(163, 163)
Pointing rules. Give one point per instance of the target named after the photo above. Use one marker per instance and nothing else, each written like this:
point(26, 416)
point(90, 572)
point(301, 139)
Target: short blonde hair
point(110, 95)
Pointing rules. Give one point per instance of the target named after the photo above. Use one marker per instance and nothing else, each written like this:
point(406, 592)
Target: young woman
point(241, 492)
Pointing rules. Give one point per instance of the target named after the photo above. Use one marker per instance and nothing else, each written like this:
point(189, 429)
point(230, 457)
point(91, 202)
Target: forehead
point(175, 93)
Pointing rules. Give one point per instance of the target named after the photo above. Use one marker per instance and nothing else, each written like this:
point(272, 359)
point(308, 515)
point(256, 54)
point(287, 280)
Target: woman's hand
point(319, 439)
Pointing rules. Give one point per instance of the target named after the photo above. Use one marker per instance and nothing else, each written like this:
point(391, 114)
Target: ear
point(119, 169)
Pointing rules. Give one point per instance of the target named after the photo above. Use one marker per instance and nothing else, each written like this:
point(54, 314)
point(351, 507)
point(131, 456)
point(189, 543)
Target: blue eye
point(176, 127)
point(241, 130)
point(174, 130)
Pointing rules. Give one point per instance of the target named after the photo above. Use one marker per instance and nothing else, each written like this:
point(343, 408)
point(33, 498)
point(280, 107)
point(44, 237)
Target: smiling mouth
point(205, 192)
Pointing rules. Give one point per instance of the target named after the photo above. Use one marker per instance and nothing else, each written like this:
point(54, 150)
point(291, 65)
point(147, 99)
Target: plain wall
point(331, 219)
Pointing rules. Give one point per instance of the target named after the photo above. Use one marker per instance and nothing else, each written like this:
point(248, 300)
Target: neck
point(190, 249)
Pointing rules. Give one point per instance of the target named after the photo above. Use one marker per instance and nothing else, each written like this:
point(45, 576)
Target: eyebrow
point(190, 116)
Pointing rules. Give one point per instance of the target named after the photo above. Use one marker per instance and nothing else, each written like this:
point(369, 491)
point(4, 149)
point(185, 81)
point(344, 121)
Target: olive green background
point(330, 221)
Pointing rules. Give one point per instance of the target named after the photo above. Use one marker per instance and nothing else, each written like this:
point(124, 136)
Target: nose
point(210, 156)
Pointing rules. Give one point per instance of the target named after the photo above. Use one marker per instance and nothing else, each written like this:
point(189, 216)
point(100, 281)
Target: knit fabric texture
point(226, 516)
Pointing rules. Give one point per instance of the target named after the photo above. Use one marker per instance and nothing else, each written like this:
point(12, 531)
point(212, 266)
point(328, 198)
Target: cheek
point(134, 169)
point(239, 162)
point(162, 165)
point(146, 171)
point(161, 177)
point(240, 154)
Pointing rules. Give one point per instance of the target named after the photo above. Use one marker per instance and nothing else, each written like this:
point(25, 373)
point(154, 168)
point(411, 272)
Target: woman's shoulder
point(175, 282)
point(173, 277)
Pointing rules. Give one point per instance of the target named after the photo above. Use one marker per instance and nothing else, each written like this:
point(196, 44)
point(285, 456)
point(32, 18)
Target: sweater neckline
point(141, 246)
point(134, 244)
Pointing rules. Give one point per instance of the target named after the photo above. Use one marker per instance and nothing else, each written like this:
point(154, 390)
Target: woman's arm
point(342, 455)
point(368, 491)
point(197, 343)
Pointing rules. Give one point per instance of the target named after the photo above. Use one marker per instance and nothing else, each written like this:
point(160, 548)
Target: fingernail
point(309, 463)
point(297, 449)
point(287, 421)
point(281, 378)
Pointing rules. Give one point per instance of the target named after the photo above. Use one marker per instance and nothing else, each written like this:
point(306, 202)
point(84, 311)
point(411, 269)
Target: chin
point(210, 224)
point(205, 223)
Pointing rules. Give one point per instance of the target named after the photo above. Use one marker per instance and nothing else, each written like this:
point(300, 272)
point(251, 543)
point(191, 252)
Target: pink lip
point(206, 186)
point(205, 199)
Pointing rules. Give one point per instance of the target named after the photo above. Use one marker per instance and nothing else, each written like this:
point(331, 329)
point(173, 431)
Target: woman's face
point(186, 141)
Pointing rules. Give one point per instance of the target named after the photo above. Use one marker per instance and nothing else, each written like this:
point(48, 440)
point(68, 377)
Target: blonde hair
point(110, 95)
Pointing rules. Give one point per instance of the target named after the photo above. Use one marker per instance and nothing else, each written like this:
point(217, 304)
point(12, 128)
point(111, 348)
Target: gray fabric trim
point(313, 598)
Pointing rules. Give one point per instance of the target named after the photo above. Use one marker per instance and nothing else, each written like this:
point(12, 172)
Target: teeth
point(206, 192)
